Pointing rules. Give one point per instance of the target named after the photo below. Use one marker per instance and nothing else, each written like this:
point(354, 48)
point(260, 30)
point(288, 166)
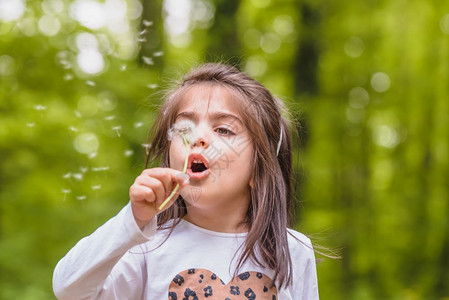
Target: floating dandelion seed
point(100, 169)
point(65, 64)
point(90, 83)
point(141, 40)
point(184, 129)
point(96, 187)
point(83, 197)
point(65, 192)
point(109, 118)
point(67, 175)
point(31, 125)
point(129, 152)
point(147, 148)
point(143, 32)
point(147, 23)
point(39, 107)
point(68, 77)
point(84, 169)
point(158, 53)
point(78, 176)
point(152, 86)
point(122, 67)
point(148, 60)
point(78, 114)
point(117, 129)
point(92, 155)
point(138, 124)
point(74, 129)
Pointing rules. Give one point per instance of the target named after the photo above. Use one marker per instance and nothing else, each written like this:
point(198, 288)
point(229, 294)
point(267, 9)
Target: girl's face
point(219, 163)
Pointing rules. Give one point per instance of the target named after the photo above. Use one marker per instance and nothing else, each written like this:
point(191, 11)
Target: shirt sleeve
point(310, 287)
point(305, 281)
point(86, 272)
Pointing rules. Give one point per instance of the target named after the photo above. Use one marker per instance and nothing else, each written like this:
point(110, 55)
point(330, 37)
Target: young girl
point(223, 233)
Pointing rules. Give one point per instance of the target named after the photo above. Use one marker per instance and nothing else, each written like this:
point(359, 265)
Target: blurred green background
point(80, 82)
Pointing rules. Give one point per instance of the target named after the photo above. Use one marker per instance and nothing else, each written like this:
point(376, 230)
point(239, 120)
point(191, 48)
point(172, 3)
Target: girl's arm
point(99, 266)
point(91, 270)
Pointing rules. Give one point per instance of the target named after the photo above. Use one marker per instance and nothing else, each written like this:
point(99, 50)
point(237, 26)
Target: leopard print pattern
point(199, 284)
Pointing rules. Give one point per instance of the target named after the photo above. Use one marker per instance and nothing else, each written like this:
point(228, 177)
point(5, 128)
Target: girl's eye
point(224, 131)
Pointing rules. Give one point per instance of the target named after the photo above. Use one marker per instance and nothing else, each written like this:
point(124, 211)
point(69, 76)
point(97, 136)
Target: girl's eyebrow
point(218, 115)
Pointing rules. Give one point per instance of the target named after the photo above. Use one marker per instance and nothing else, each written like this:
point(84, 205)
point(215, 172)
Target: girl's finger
point(157, 187)
point(169, 177)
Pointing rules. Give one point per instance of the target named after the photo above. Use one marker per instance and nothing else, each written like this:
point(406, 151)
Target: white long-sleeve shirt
point(120, 261)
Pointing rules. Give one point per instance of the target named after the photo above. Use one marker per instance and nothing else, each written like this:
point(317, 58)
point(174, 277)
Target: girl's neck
point(219, 221)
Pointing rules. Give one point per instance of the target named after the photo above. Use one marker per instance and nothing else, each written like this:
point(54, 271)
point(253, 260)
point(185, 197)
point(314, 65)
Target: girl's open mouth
point(198, 167)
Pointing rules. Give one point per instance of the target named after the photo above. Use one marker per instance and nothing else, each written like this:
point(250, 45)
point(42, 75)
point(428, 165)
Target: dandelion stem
point(186, 145)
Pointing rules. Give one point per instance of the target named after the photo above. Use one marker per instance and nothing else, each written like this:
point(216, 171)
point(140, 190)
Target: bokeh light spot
point(49, 25)
point(283, 25)
point(385, 136)
point(11, 10)
point(90, 61)
point(86, 143)
point(270, 43)
point(444, 24)
point(380, 82)
point(255, 66)
point(354, 46)
point(358, 97)
point(107, 101)
point(7, 65)
point(88, 13)
point(87, 106)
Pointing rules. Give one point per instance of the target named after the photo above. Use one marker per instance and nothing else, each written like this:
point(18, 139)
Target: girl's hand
point(150, 189)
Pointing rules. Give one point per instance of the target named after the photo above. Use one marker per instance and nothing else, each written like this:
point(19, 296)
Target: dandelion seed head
point(90, 83)
point(96, 187)
point(128, 152)
point(152, 86)
point(65, 191)
point(184, 129)
point(138, 124)
point(81, 197)
point(158, 53)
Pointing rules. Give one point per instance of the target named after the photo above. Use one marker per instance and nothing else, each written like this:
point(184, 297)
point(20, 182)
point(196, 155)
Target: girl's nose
point(201, 142)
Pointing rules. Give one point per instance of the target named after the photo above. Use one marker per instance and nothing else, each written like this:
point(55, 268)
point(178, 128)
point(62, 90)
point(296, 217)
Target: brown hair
point(271, 191)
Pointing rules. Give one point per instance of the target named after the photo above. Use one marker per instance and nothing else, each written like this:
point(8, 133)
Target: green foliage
point(367, 81)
